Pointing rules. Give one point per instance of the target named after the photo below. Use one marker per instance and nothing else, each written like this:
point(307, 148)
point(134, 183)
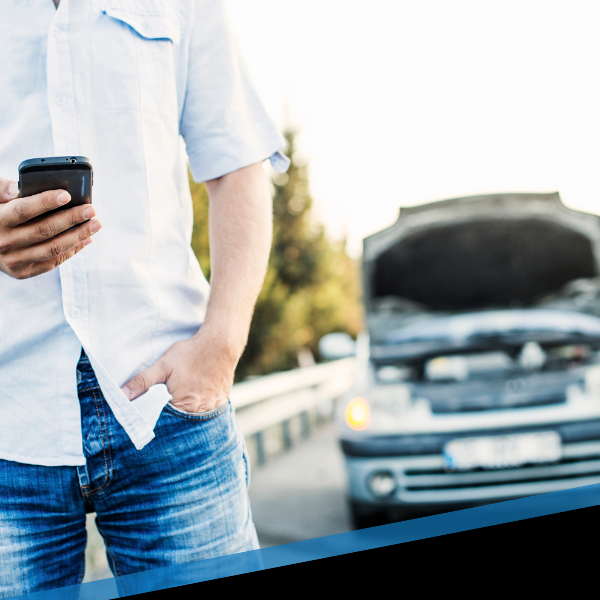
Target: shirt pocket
point(151, 19)
point(135, 49)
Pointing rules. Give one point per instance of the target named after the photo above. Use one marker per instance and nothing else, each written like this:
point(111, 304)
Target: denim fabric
point(182, 498)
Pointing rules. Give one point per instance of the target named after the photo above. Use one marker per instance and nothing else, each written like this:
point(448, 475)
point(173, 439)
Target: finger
point(22, 210)
point(38, 268)
point(47, 228)
point(61, 243)
point(143, 381)
point(9, 190)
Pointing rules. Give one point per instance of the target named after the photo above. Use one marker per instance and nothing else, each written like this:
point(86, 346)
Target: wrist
point(224, 340)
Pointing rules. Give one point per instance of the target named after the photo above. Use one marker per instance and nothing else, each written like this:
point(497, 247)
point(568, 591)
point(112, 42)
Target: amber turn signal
point(358, 415)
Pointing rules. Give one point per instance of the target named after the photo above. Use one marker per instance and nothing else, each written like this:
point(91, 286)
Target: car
point(478, 376)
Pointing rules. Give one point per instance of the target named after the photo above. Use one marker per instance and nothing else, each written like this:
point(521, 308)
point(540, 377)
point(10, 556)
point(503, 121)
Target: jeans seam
point(218, 412)
point(104, 451)
point(82, 570)
point(247, 469)
point(95, 387)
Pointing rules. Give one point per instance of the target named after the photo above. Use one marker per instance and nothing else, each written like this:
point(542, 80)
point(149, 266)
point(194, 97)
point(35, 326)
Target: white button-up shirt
point(134, 85)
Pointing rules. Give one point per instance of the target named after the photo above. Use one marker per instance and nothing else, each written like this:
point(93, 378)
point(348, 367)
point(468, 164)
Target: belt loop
point(84, 476)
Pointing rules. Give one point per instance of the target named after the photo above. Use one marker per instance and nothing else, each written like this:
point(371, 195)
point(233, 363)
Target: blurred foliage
point(200, 230)
point(311, 287)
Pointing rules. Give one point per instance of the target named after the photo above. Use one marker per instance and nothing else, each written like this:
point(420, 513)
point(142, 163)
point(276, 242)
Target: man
point(115, 369)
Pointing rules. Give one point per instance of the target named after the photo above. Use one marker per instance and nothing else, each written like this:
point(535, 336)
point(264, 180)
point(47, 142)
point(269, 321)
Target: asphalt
point(301, 494)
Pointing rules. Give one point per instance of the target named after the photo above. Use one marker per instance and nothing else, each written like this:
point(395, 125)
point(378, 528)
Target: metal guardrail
point(271, 405)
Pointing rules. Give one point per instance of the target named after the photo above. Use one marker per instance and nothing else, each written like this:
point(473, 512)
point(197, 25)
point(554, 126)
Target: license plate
point(500, 451)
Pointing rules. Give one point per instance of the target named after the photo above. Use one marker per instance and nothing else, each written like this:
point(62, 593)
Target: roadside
point(300, 494)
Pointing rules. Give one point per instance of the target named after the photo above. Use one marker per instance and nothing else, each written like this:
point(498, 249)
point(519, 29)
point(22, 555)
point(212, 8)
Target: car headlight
point(358, 414)
point(382, 483)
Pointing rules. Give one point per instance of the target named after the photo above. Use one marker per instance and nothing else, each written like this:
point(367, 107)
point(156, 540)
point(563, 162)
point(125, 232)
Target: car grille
point(424, 480)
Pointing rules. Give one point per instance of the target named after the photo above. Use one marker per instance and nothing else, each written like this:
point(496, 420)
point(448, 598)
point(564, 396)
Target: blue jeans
point(182, 498)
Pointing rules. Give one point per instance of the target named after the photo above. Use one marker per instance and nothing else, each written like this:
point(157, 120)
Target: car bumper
point(417, 465)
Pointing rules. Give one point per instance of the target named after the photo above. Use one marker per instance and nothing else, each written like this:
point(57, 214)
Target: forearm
point(240, 230)
point(199, 371)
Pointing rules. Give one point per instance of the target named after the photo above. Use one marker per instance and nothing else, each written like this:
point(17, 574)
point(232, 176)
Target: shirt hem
point(51, 461)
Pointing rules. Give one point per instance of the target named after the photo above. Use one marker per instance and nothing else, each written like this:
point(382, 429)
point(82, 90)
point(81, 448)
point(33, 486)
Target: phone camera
point(73, 160)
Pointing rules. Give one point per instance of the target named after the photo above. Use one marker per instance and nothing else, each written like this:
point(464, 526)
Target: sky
point(400, 103)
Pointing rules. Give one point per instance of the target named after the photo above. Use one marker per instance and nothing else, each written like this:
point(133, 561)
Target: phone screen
point(74, 179)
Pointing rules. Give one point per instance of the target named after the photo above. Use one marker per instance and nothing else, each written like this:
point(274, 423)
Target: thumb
point(9, 190)
point(143, 381)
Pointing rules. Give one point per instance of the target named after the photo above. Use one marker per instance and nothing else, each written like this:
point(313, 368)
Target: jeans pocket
point(201, 416)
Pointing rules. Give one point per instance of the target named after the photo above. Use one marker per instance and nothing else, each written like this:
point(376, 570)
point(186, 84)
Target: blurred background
point(385, 104)
point(399, 103)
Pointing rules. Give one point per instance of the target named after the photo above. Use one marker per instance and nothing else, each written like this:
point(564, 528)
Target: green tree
point(311, 287)
point(200, 230)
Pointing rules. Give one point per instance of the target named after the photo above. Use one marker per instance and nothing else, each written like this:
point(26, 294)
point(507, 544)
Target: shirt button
point(55, 30)
point(60, 100)
point(74, 312)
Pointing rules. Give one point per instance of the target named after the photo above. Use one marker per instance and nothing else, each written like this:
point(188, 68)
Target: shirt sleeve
point(224, 123)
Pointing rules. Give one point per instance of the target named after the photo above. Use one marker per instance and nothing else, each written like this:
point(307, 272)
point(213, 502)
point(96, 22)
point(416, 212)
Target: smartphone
point(71, 173)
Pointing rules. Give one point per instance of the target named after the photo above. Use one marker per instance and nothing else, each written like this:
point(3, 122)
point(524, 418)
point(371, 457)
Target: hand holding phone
point(73, 174)
point(41, 228)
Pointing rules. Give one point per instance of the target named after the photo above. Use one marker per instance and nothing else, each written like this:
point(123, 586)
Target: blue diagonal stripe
point(332, 545)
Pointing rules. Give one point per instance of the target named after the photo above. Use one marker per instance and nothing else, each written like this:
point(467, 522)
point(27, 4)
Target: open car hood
point(489, 252)
point(487, 330)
